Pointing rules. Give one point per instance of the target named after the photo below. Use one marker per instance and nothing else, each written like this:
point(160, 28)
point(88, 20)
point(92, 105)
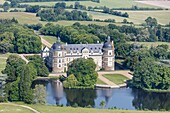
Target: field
point(2, 1)
point(3, 58)
point(116, 78)
point(161, 3)
point(137, 17)
point(50, 39)
point(149, 44)
point(108, 3)
point(30, 18)
point(53, 109)
point(13, 109)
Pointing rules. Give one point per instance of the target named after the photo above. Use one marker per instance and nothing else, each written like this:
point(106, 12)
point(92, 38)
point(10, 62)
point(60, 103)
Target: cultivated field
point(161, 3)
point(108, 3)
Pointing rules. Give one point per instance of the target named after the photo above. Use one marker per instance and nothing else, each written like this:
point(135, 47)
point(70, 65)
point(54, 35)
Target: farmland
point(108, 3)
point(162, 3)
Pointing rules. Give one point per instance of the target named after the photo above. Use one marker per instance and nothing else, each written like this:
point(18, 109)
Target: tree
point(33, 9)
point(27, 74)
point(70, 82)
point(13, 67)
point(40, 94)
point(151, 22)
point(39, 65)
point(149, 75)
point(6, 6)
point(86, 74)
point(102, 104)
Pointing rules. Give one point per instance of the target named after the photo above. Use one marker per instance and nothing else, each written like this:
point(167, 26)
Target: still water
point(123, 98)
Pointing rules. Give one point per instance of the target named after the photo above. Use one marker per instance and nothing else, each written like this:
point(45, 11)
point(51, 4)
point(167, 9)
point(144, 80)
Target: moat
point(123, 98)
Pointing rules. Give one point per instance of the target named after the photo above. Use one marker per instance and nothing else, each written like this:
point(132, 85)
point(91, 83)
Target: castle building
point(60, 55)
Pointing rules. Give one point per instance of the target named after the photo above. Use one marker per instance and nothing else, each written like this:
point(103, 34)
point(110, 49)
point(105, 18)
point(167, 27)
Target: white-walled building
point(60, 55)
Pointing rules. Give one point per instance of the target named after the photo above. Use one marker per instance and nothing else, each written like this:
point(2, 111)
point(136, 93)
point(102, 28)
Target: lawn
point(50, 39)
point(116, 78)
point(108, 3)
point(149, 44)
point(13, 109)
point(100, 82)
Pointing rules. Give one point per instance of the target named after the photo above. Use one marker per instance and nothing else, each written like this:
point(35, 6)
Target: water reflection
point(125, 98)
point(152, 101)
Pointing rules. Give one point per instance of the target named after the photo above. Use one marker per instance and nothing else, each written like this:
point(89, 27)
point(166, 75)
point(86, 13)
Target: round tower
point(58, 57)
point(108, 58)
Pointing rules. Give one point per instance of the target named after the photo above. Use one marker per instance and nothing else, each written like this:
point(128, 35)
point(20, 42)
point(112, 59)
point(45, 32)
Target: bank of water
point(123, 98)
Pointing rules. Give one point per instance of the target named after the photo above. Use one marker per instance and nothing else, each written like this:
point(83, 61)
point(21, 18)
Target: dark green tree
point(84, 71)
point(27, 74)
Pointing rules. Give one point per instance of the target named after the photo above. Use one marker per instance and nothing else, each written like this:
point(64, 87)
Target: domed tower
point(108, 58)
point(58, 57)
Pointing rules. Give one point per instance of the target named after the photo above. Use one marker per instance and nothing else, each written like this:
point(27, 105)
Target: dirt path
point(24, 106)
point(46, 43)
point(163, 4)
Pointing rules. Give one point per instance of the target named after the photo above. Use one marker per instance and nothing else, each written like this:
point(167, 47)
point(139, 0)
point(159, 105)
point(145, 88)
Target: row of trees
point(17, 38)
point(20, 77)
point(61, 14)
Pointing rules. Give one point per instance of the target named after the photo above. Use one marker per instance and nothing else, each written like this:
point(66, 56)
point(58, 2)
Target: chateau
point(60, 55)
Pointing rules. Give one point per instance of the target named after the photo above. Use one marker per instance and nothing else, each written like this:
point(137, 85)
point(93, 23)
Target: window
point(59, 65)
point(59, 54)
point(110, 53)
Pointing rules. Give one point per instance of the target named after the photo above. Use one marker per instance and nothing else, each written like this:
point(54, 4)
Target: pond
point(123, 98)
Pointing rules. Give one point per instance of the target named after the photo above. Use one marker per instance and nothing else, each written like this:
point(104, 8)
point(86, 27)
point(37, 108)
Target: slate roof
point(79, 47)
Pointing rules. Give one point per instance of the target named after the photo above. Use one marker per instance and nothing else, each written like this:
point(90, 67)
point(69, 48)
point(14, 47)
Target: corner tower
point(108, 58)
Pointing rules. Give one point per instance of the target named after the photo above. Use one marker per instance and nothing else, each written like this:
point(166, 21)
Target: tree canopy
point(84, 71)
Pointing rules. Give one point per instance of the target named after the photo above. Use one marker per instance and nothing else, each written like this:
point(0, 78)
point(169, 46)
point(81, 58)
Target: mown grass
point(151, 44)
point(108, 3)
point(116, 78)
point(100, 82)
point(13, 109)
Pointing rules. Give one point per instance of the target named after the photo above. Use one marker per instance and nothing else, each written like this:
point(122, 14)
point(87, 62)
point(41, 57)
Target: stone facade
point(60, 55)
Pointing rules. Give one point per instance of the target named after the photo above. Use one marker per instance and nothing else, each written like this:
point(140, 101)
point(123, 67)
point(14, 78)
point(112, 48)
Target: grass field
point(108, 3)
point(30, 18)
point(13, 109)
point(149, 44)
point(100, 82)
point(137, 17)
point(116, 78)
point(3, 58)
point(50, 39)
point(53, 109)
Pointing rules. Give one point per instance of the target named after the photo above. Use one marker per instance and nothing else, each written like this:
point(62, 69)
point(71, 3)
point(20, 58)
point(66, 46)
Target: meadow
point(30, 18)
point(108, 3)
point(4, 108)
point(151, 44)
